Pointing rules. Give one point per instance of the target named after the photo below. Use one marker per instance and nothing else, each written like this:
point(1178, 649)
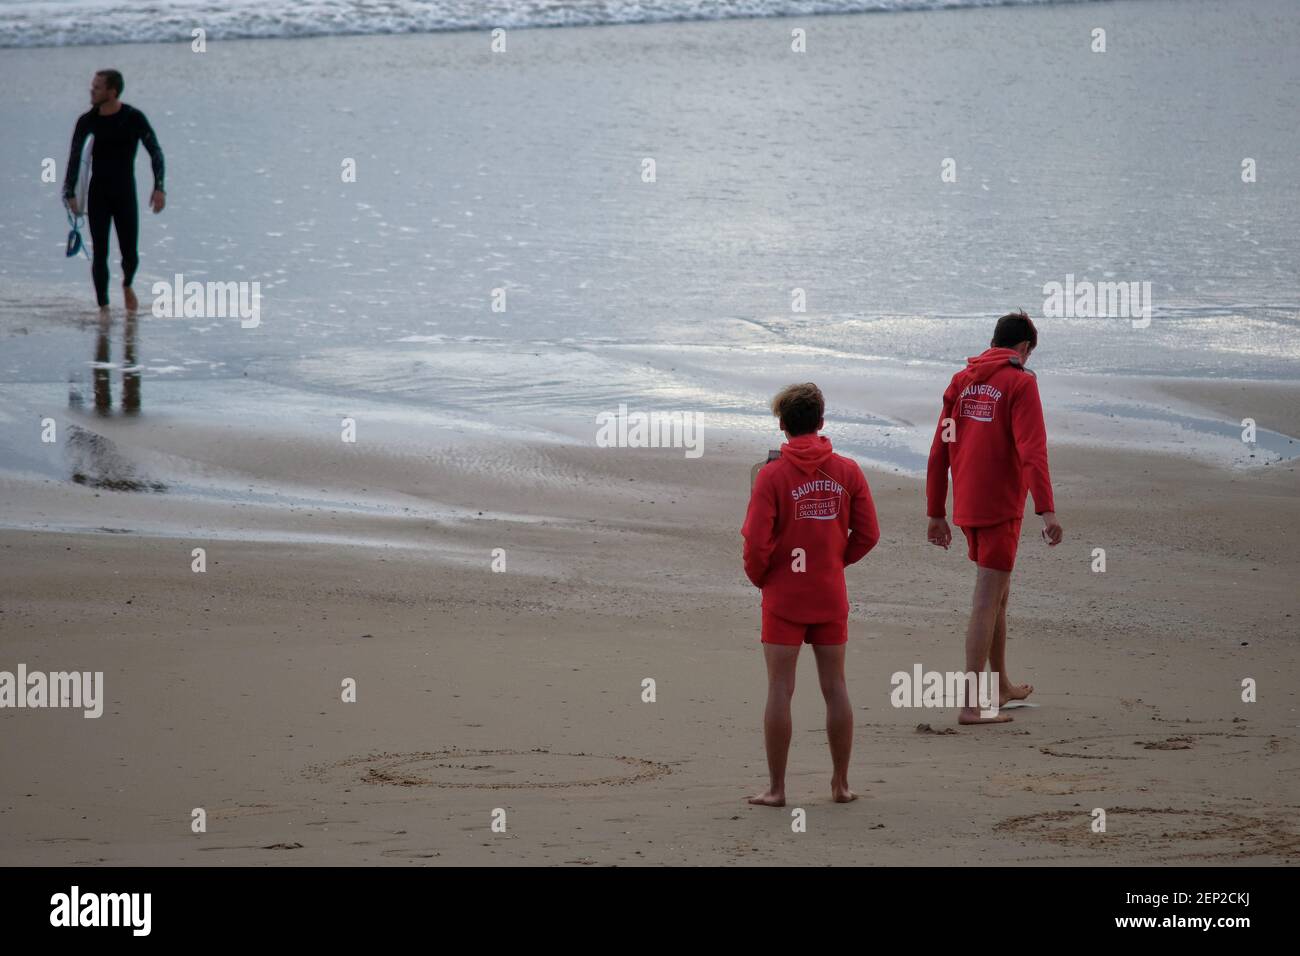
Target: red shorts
point(994, 546)
point(777, 630)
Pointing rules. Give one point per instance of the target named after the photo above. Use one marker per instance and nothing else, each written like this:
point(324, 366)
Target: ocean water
point(775, 171)
point(80, 22)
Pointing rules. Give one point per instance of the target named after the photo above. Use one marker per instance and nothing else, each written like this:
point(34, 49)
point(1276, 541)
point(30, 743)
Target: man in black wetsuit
point(117, 129)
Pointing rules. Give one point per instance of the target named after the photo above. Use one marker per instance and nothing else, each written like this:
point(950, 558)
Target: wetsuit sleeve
point(760, 529)
point(1030, 434)
point(864, 531)
point(73, 172)
point(150, 142)
point(936, 473)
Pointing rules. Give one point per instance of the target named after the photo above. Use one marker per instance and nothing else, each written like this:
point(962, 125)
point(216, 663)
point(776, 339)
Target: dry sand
point(522, 690)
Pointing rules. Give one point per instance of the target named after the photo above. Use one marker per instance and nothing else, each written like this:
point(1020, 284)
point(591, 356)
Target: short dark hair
point(800, 408)
point(113, 80)
point(1014, 328)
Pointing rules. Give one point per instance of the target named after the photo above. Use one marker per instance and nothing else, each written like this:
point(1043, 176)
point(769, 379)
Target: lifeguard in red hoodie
point(991, 434)
point(810, 516)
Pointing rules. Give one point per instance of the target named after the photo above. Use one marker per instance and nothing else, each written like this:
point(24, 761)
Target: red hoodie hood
point(980, 368)
point(807, 452)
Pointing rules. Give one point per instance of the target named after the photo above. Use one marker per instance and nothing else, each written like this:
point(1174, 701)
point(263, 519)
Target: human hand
point(1052, 532)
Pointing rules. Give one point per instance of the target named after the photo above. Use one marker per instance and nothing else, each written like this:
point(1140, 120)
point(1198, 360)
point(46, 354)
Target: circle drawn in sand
point(498, 769)
point(1182, 833)
point(1214, 744)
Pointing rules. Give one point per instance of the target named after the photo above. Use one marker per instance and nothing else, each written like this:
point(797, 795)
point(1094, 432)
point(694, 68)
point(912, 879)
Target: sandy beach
point(521, 690)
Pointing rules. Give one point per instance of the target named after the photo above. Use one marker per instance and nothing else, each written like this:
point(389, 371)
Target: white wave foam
point(35, 23)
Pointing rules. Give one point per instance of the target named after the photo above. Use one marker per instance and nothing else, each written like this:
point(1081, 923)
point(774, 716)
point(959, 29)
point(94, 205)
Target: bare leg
point(1007, 691)
point(990, 587)
point(839, 716)
point(781, 662)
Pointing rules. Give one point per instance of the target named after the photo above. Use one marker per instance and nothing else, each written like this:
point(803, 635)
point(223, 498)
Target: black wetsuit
point(112, 185)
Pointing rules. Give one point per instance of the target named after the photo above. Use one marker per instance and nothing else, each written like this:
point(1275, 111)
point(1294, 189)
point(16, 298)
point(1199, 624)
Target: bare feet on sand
point(1009, 692)
point(971, 715)
point(770, 798)
point(841, 793)
point(128, 295)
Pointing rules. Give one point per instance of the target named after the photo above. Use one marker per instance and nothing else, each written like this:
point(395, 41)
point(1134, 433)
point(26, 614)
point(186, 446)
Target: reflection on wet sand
point(102, 366)
point(93, 459)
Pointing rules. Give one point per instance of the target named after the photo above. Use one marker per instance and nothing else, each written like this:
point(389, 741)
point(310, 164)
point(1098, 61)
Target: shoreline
point(200, 448)
point(486, 26)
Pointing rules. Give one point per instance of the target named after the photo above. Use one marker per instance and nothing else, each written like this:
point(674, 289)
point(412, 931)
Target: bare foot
point(841, 793)
point(1013, 692)
point(970, 715)
point(128, 294)
point(769, 799)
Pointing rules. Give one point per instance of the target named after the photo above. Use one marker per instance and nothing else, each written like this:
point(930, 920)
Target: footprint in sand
point(927, 729)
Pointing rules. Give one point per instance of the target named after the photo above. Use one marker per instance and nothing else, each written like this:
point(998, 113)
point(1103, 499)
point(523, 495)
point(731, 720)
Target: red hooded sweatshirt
point(814, 499)
point(999, 449)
